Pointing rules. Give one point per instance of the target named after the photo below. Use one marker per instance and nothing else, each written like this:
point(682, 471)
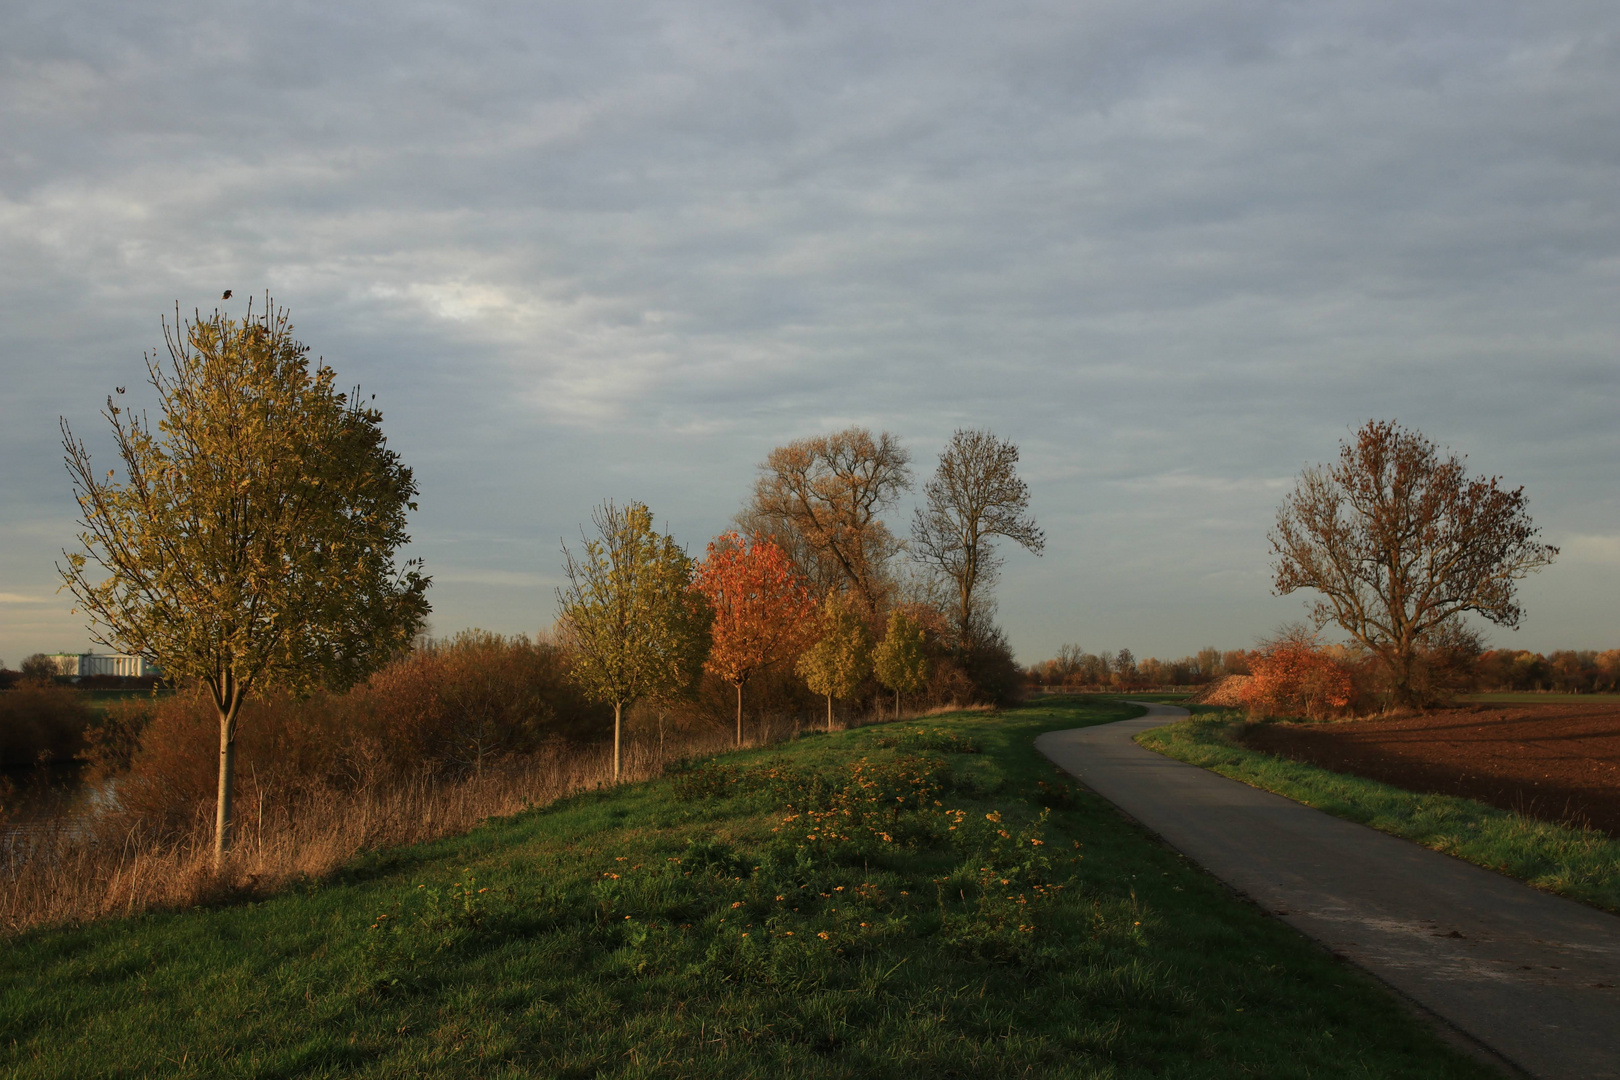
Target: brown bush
point(40, 720)
point(445, 711)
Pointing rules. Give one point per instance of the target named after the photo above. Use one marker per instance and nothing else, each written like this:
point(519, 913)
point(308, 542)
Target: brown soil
point(1553, 762)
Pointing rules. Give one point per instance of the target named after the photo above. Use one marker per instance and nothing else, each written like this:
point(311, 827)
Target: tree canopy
point(629, 612)
point(827, 494)
point(841, 658)
point(900, 660)
point(1400, 542)
point(975, 494)
point(252, 542)
point(762, 607)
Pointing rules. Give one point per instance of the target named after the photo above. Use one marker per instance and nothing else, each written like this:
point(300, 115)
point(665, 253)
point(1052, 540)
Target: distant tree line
point(1452, 671)
point(1074, 667)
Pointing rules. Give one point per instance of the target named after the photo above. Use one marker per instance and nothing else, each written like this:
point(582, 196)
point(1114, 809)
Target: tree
point(1401, 543)
point(252, 542)
point(841, 659)
point(762, 608)
point(828, 492)
point(975, 494)
point(636, 626)
point(901, 659)
point(38, 667)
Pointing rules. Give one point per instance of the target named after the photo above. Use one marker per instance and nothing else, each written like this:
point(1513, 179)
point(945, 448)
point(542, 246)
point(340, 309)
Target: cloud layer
point(1174, 250)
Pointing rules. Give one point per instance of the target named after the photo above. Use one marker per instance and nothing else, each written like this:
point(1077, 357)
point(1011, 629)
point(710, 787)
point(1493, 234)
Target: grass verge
point(922, 899)
point(1578, 863)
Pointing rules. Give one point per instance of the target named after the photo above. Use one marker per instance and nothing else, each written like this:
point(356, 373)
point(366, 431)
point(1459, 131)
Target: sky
point(1176, 251)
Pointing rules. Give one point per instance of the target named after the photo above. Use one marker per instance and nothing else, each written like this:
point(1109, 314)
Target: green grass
point(1581, 864)
point(806, 910)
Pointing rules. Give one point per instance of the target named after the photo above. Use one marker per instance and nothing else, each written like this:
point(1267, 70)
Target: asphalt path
point(1532, 977)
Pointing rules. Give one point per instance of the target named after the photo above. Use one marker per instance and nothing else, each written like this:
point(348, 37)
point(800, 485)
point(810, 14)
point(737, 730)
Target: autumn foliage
point(1294, 676)
point(762, 605)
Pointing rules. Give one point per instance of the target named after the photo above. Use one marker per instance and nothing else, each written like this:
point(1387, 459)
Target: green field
point(873, 903)
point(1578, 863)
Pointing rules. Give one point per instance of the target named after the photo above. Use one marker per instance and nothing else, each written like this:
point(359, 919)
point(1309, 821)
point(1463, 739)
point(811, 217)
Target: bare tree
point(975, 494)
point(1401, 543)
point(826, 494)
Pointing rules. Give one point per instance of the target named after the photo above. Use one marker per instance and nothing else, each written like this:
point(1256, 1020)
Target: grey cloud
point(1176, 250)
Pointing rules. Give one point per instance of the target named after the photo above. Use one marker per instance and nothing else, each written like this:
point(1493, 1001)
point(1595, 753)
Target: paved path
point(1534, 977)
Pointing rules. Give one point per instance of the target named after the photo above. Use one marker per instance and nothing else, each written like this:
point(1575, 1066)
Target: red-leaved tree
point(763, 609)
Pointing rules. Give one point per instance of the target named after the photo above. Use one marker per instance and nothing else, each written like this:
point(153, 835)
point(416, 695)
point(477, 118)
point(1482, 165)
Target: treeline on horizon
point(1563, 671)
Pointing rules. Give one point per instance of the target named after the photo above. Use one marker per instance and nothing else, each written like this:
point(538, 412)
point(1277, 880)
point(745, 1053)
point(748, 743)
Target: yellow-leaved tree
point(841, 658)
point(251, 542)
point(630, 615)
point(900, 660)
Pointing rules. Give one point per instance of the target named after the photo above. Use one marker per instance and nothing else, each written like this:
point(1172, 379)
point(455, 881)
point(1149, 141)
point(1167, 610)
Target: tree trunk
point(617, 756)
point(227, 776)
point(829, 714)
point(739, 716)
point(897, 704)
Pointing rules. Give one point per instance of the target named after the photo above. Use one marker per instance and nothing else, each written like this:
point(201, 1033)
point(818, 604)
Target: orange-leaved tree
point(1294, 676)
point(763, 609)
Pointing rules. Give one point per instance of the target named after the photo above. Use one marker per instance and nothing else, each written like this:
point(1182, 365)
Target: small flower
point(823, 935)
point(736, 905)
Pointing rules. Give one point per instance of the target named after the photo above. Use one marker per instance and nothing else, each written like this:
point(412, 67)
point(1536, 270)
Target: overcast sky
point(1175, 251)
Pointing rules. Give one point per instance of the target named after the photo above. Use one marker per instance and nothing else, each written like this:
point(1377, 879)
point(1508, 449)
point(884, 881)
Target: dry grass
point(78, 870)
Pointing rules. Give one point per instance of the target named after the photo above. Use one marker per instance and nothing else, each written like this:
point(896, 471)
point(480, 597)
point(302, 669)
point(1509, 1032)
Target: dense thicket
point(448, 709)
point(40, 721)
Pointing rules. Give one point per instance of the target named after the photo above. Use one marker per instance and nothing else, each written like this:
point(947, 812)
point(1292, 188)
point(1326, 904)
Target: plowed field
point(1553, 762)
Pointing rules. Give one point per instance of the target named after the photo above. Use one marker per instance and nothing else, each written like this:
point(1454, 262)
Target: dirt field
point(1554, 762)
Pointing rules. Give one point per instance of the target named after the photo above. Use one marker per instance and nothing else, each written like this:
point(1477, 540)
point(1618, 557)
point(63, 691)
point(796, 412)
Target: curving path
point(1533, 977)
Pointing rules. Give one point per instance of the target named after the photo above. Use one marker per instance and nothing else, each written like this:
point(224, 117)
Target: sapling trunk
point(829, 714)
point(739, 716)
point(617, 709)
point(227, 777)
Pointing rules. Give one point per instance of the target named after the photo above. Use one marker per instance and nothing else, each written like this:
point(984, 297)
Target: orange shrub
point(1293, 676)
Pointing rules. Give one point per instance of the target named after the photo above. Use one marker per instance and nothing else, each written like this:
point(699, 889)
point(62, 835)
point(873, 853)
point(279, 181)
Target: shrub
point(448, 710)
point(1294, 676)
point(40, 720)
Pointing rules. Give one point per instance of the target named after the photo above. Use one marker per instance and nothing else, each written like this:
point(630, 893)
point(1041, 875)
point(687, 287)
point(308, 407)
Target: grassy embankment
point(807, 910)
point(1581, 864)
